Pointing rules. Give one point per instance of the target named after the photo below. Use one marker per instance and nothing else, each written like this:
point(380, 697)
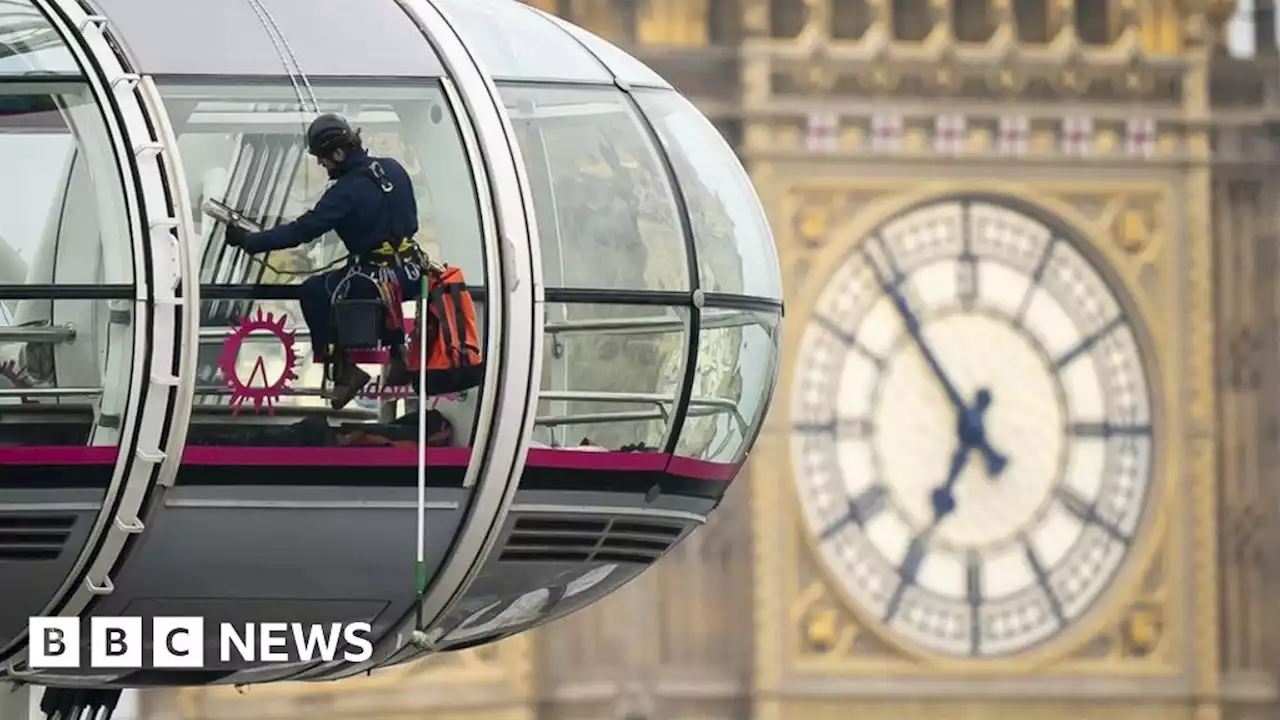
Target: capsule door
point(68, 314)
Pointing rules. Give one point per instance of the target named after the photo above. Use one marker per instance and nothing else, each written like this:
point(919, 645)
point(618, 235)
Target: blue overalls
point(369, 215)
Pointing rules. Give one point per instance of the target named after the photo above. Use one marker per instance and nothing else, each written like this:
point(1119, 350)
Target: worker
point(372, 207)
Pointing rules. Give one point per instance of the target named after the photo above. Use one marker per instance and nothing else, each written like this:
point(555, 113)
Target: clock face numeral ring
point(972, 432)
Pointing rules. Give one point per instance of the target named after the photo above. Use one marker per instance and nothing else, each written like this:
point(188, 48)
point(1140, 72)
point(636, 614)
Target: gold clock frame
point(1158, 539)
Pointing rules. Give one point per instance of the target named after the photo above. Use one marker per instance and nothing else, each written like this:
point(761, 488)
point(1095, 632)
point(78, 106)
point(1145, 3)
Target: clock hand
point(912, 324)
point(973, 432)
point(944, 501)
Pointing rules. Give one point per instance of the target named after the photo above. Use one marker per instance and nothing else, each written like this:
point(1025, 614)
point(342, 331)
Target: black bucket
point(358, 323)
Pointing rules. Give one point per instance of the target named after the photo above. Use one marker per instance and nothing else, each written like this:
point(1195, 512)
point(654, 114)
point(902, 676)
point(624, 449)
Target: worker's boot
point(348, 381)
point(398, 372)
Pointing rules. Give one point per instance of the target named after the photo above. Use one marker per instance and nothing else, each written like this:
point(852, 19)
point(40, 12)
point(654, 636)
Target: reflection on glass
point(257, 385)
point(515, 42)
point(606, 214)
point(64, 377)
point(611, 375)
point(65, 363)
point(28, 43)
point(65, 220)
point(737, 361)
point(244, 145)
point(735, 246)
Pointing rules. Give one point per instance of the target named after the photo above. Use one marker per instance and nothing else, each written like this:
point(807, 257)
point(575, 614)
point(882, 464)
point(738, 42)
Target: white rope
point(297, 90)
point(265, 15)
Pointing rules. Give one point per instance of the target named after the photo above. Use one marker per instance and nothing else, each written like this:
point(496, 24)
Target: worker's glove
point(236, 236)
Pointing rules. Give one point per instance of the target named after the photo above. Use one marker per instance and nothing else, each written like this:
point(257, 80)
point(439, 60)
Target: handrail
point(711, 405)
point(50, 392)
point(629, 397)
point(713, 318)
point(39, 334)
point(617, 417)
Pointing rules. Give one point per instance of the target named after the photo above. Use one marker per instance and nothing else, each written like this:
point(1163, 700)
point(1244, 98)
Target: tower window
point(912, 20)
point(850, 19)
point(970, 21)
point(1093, 22)
point(1032, 18)
point(786, 18)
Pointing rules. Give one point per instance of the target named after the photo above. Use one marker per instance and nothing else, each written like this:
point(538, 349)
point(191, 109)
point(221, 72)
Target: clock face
point(971, 429)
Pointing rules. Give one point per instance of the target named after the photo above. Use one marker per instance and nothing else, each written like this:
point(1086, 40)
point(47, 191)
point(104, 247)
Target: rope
point(297, 273)
point(268, 24)
point(266, 16)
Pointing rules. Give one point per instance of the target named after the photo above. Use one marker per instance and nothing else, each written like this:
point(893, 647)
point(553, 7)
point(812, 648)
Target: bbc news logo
point(180, 642)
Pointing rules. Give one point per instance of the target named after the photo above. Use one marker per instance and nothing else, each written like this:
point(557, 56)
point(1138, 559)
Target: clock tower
point(994, 423)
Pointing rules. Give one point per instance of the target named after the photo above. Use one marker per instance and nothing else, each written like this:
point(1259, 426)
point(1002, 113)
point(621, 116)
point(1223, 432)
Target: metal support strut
point(79, 704)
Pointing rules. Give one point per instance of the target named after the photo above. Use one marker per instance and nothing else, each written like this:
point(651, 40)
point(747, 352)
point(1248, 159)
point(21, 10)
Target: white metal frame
point(160, 233)
point(513, 328)
point(512, 397)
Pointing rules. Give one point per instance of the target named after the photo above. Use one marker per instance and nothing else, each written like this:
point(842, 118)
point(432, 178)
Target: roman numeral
point(1107, 430)
point(1036, 276)
point(967, 270)
point(973, 590)
point(1087, 513)
point(848, 339)
point(1087, 343)
point(850, 428)
point(1042, 577)
point(861, 510)
point(907, 572)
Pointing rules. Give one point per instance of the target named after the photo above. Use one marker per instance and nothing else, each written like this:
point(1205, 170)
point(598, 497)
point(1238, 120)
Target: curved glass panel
point(242, 145)
point(29, 44)
point(611, 375)
point(624, 67)
point(738, 353)
point(195, 37)
point(606, 215)
point(735, 245)
point(512, 42)
point(188, 37)
point(66, 262)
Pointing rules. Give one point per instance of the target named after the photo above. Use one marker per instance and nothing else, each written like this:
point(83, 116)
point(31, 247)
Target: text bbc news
point(180, 642)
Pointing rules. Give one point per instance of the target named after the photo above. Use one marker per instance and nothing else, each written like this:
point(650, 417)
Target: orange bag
point(454, 358)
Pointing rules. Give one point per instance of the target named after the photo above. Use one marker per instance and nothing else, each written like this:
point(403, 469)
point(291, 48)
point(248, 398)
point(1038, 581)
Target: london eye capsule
point(167, 442)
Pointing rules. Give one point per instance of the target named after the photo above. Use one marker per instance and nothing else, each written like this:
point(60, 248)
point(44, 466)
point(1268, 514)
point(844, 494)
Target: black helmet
point(328, 133)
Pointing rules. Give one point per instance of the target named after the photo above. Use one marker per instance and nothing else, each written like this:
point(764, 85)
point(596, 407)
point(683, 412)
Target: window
point(786, 18)
point(607, 218)
point(1093, 21)
point(1033, 20)
point(66, 250)
point(971, 21)
point(912, 20)
point(611, 375)
point(735, 246)
point(850, 19)
point(737, 357)
point(243, 144)
point(1252, 29)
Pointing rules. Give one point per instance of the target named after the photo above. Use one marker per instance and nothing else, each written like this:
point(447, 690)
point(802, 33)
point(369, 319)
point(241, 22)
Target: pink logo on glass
point(258, 387)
